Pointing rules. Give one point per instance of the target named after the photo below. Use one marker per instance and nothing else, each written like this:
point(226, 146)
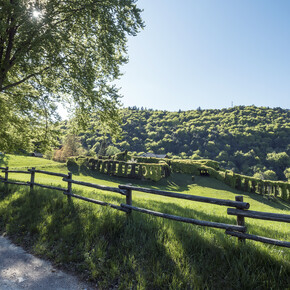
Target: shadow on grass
point(140, 251)
point(182, 183)
point(272, 201)
point(174, 209)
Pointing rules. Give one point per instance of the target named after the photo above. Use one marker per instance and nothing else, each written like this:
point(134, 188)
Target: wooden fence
point(239, 208)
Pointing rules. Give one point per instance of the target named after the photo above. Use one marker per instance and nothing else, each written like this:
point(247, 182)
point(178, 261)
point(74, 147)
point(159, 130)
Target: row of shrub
point(238, 181)
point(255, 185)
point(156, 168)
point(152, 171)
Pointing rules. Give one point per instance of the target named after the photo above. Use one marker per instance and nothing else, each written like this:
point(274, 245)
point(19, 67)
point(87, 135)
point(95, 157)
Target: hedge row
point(255, 185)
point(152, 171)
point(238, 181)
point(149, 168)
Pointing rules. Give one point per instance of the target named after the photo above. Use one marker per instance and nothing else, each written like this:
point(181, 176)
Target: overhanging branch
point(23, 80)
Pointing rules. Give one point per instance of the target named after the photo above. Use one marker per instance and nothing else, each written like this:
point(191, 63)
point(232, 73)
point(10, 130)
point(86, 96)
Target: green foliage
point(112, 150)
point(287, 173)
point(152, 171)
point(106, 247)
point(21, 130)
point(71, 52)
point(71, 161)
point(117, 167)
point(281, 159)
point(243, 139)
point(264, 185)
point(270, 175)
point(123, 156)
point(149, 159)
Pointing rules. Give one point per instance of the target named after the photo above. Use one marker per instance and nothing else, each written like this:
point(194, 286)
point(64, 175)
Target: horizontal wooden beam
point(49, 173)
point(259, 239)
point(97, 186)
point(2, 167)
point(186, 220)
point(16, 171)
point(239, 204)
point(96, 201)
point(46, 186)
point(260, 215)
point(15, 182)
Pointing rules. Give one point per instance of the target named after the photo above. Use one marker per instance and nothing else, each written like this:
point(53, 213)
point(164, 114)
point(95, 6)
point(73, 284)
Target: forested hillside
point(247, 140)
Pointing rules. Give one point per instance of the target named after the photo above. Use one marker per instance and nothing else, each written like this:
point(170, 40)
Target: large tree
point(53, 51)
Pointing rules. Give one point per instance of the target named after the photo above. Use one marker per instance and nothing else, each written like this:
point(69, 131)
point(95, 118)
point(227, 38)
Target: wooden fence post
point(69, 185)
point(6, 178)
point(32, 178)
point(129, 200)
point(240, 219)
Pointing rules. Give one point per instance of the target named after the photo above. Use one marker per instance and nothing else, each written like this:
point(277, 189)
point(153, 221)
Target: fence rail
point(49, 173)
point(186, 220)
point(240, 208)
point(260, 215)
point(16, 171)
point(189, 197)
point(101, 187)
point(259, 239)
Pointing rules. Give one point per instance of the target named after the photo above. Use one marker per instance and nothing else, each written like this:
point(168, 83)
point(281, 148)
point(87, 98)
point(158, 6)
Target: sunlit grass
point(107, 246)
point(18, 161)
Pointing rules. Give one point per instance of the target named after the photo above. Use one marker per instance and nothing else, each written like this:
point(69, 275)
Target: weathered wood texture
point(69, 186)
point(240, 219)
point(95, 201)
point(128, 199)
point(216, 201)
point(16, 171)
point(6, 179)
point(260, 215)
point(32, 178)
point(101, 187)
point(49, 173)
point(186, 220)
point(47, 186)
point(259, 239)
point(15, 182)
point(6, 173)
point(238, 230)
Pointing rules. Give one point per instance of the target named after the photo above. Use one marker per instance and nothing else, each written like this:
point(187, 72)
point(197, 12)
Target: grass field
point(144, 252)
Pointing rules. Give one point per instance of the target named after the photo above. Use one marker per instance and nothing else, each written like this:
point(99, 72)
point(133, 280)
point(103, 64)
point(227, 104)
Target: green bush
point(71, 161)
point(123, 156)
point(152, 171)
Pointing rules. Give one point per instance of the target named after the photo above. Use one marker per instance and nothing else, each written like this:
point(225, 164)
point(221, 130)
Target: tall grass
point(145, 252)
point(18, 161)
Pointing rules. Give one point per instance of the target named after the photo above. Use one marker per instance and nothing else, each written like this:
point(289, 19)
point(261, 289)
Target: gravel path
point(20, 270)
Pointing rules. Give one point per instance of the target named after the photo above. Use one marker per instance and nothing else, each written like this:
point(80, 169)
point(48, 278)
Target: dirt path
point(20, 270)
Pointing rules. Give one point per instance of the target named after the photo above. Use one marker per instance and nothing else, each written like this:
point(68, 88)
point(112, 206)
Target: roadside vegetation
point(103, 245)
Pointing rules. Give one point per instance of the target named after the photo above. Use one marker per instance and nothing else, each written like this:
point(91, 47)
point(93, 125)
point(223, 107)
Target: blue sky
point(209, 53)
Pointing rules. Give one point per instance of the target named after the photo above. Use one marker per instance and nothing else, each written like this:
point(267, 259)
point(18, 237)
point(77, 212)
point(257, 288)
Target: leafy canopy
point(69, 51)
point(246, 140)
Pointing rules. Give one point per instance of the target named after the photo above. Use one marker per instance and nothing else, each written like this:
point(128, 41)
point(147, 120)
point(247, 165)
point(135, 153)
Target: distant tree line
point(245, 139)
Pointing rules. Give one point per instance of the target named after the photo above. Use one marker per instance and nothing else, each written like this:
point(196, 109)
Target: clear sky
point(209, 53)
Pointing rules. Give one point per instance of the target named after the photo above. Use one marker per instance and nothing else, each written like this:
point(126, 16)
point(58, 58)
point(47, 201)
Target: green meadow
point(112, 249)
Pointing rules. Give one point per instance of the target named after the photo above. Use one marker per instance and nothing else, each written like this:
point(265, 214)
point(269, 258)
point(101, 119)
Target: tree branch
point(23, 80)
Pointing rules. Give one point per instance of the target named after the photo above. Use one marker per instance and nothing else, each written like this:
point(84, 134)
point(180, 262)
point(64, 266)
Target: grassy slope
point(22, 162)
point(145, 251)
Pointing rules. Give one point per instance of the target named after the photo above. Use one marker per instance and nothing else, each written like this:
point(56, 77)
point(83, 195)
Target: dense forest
point(246, 139)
